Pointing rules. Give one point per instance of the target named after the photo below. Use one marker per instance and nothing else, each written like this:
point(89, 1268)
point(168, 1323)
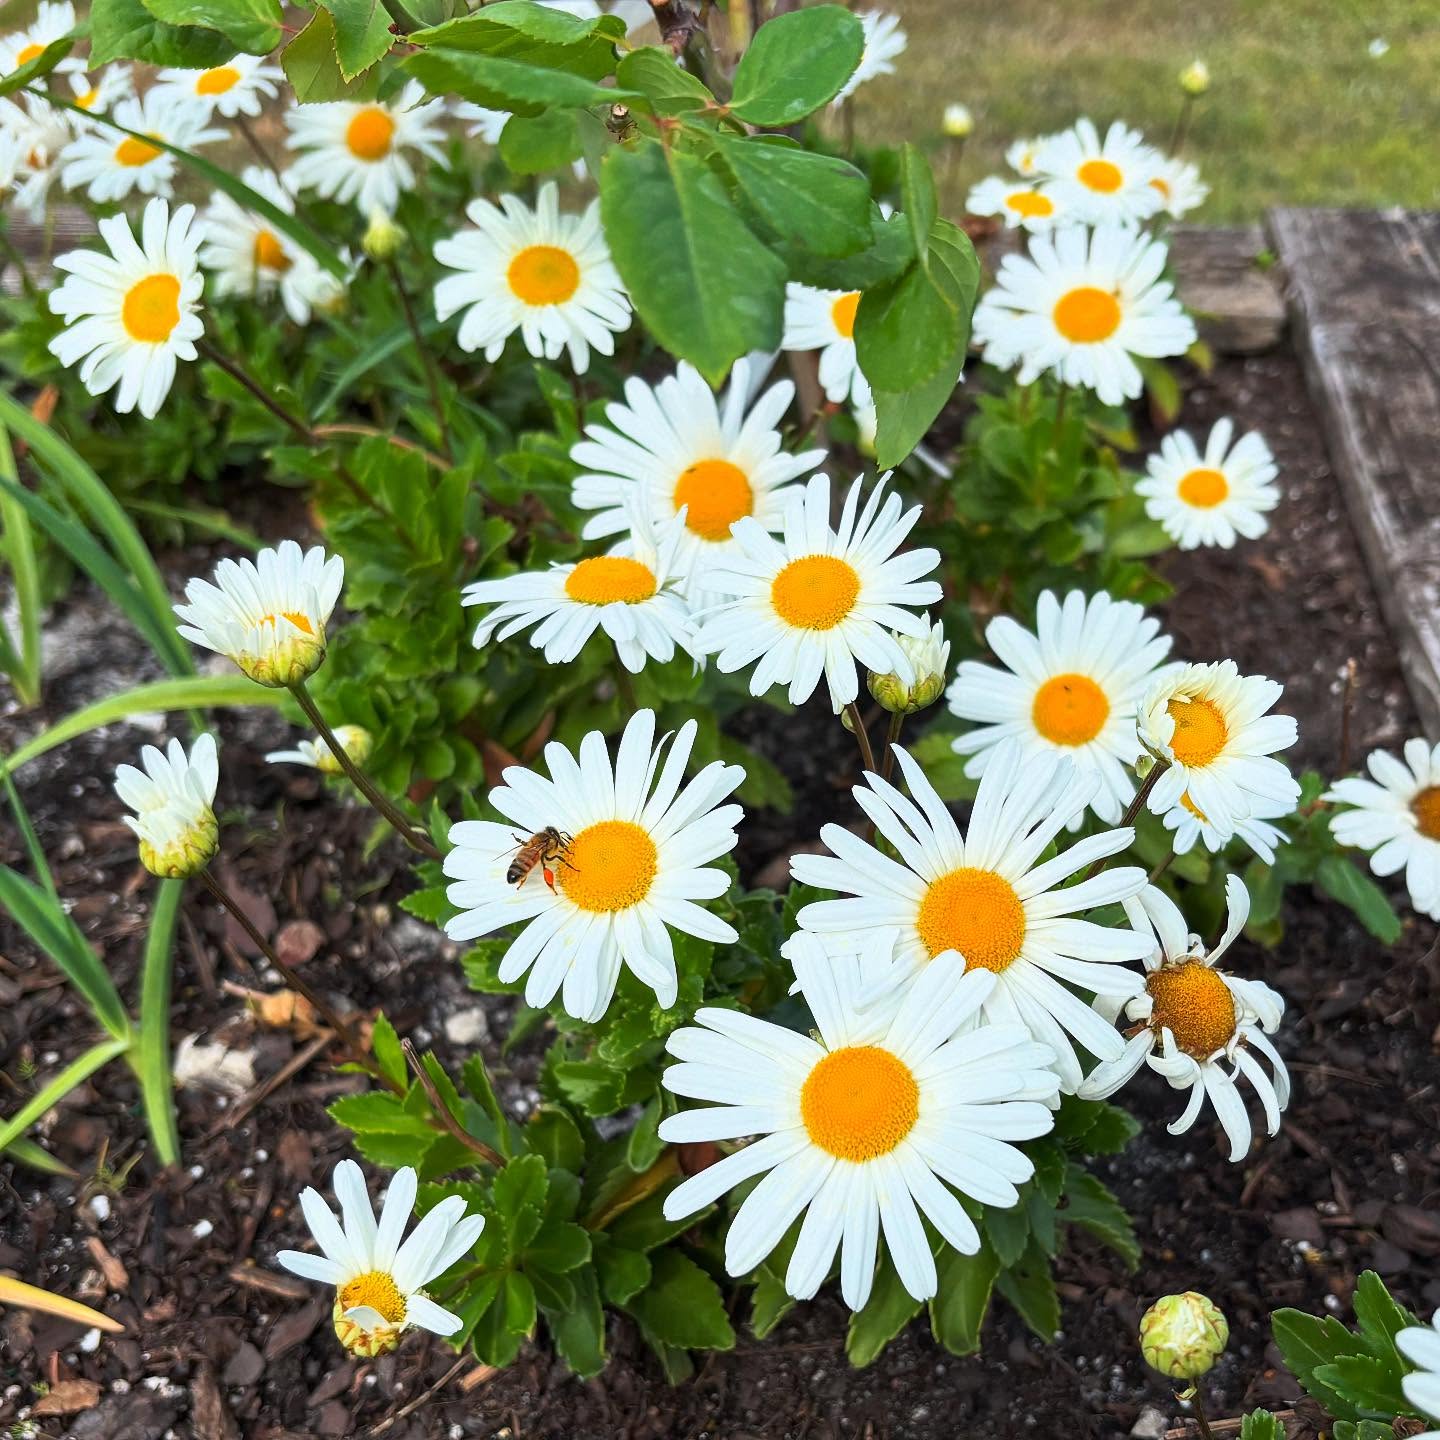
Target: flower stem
point(1160, 868)
point(416, 839)
point(1057, 433)
point(1133, 809)
point(625, 687)
point(427, 362)
point(892, 737)
point(1201, 1418)
point(1182, 125)
point(862, 735)
point(448, 1122)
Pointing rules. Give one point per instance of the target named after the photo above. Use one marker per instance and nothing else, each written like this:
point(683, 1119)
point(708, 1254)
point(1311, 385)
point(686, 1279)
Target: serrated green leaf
point(623, 1273)
point(532, 35)
point(795, 64)
point(918, 202)
point(554, 1136)
point(1030, 1288)
point(519, 1197)
point(362, 34)
point(1380, 1318)
point(1007, 1231)
point(579, 1330)
point(508, 1321)
point(1090, 1205)
point(559, 1248)
point(313, 69)
point(378, 1112)
point(1310, 1342)
point(670, 88)
point(37, 68)
point(507, 84)
point(1261, 1425)
point(682, 1305)
point(386, 1046)
point(252, 25)
point(532, 144)
point(1371, 1386)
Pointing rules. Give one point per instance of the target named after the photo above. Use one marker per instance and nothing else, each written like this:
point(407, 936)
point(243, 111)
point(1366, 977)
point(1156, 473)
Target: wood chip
point(117, 1278)
point(68, 1398)
point(271, 1282)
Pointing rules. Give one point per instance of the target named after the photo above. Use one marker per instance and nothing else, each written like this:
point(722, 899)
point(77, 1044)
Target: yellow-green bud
point(1182, 1336)
point(184, 851)
point(288, 659)
point(957, 122)
point(929, 655)
point(1195, 78)
point(355, 740)
point(365, 1343)
point(383, 237)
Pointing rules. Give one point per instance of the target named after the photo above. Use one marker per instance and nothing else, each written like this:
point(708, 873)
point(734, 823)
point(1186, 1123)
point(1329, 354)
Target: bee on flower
point(111, 165)
point(238, 87)
point(173, 799)
point(1211, 498)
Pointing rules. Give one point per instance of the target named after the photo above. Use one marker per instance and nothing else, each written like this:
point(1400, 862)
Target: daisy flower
point(355, 151)
point(355, 741)
point(1420, 1345)
point(485, 124)
point(545, 274)
point(1023, 156)
point(674, 446)
point(172, 799)
point(865, 1126)
point(267, 615)
point(885, 41)
point(99, 94)
point(1080, 306)
point(632, 594)
point(1071, 687)
point(111, 166)
point(1210, 499)
point(824, 320)
point(818, 601)
point(132, 314)
point(986, 895)
point(1191, 1021)
point(38, 135)
point(1180, 186)
point(1397, 817)
point(1019, 205)
point(235, 88)
point(1210, 723)
point(54, 20)
point(630, 861)
point(1189, 823)
point(379, 1282)
point(1102, 182)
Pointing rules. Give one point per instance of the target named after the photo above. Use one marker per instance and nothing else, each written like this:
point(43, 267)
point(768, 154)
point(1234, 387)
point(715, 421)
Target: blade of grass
point(27, 1152)
point(378, 350)
point(19, 551)
point(194, 692)
point(80, 1068)
point(38, 862)
point(213, 522)
point(32, 1297)
point(151, 1058)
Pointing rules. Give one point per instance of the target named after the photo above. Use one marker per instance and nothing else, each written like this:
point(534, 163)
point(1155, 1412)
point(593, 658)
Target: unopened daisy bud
point(929, 655)
point(1183, 1335)
point(958, 122)
point(355, 740)
point(172, 799)
point(1195, 78)
point(383, 237)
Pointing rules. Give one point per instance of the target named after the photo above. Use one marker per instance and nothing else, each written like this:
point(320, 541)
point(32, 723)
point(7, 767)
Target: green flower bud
point(1195, 78)
point(1183, 1335)
point(929, 656)
point(383, 237)
point(958, 122)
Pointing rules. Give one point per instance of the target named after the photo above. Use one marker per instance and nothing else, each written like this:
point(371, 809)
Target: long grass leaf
point(80, 1068)
point(38, 863)
point(32, 1297)
point(19, 550)
point(381, 348)
point(200, 692)
point(27, 1152)
point(151, 1057)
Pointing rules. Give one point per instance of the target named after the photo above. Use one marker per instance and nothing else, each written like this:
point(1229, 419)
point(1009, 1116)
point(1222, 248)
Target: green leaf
point(531, 144)
point(79, 1069)
point(152, 1055)
point(559, 1248)
point(1380, 1318)
point(1339, 879)
point(1091, 1206)
point(706, 288)
point(623, 1273)
point(553, 1135)
point(963, 1296)
point(1261, 1425)
point(379, 1112)
point(1366, 1383)
point(670, 88)
point(1007, 1231)
point(918, 202)
point(804, 198)
point(532, 35)
point(312, 67)
point(885, 1314)
point(507, 84)
point(1030, 1288)
point(508, 1321)
point(771, 1302)
point(386, 1046)
point(579, 1330)
point(682, 1305)
point(1310, 1342)
point(125, 29)
point(362, 34)
point(885, 258)
point(1110, 1132)
point(795, 64)
point(908, 329)
point(251, 25)
point(519, 1195)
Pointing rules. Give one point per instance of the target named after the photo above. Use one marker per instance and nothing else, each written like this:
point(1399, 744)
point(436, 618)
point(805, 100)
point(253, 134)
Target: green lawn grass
point(1299, 112)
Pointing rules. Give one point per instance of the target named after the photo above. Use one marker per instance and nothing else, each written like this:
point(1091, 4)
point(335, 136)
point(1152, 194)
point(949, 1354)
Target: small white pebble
point(90, 1340)
point(196, 1171)
point(100, 1206)
point(1332, 1303)
point(120, 1386)
point(49, 1057)
point(262, 1155)
point(203, 1229)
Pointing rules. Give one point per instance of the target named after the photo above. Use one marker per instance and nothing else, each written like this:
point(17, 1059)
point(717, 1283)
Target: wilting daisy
point(172, 799)
point(545, 274)
point(379, 1282)
point(674, 446)
point(986, 895)
point(1180, 186)
point(111, 166)
point(1080, 306)
point(1023, 156)
point(1397, 817)
point(267, 615)
point(824, 320)
point(885, 41)
point(632, 594)
point(131, 314)
point(1209, 499)
point(35, 137)
point(864, 1127)
point(100, 93)
point(1190, 824)
point(355, 151)
point(54, 20)
point(1072, 687)
point(1420, 1345)
point(1210, 723)
point(1019, 205)
point(355, 741)
point(1102, 182)
point(627, 858)
point(816, 601)
point(237, 87)
point(1192, 1021)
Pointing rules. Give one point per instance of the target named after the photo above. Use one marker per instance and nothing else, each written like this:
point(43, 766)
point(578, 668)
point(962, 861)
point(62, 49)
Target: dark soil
point(221, 1345)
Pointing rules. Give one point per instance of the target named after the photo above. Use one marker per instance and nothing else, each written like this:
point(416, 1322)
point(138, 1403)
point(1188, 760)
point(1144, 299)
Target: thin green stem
point(1201, 1418)
point(416, 839)
point(427, 362)
point(625, 687)
point(1182, 124)
point(862, 735)
point(1160, 868)
point(1133, 808)
point(892, 738)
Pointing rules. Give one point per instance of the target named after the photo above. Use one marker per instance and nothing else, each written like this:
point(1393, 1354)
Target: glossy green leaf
point(795, 64)
point(506, 84)
point(312, 66)
point(252, 25)
point(1371, 1386)
point(962, 1298)
point(1310, 1342)
point(152, 1052)
point(532, 144)
point(669, 88)
point(1090, 1205)
point(918, 202)
point(362, 34)
point(579, 1330)
point(532, 35)
point(1344, 882)
point(1030, 1288)
point(126, 30)
point(682, 1305)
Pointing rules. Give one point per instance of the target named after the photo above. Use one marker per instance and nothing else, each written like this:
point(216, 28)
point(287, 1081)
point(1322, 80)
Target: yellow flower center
point(1086, 315)
point(1188, 804)
point(974, 912)
point(859, 1103)
point(1030, 204)
point(134, 153)
point(217, 81)
point(1195, 1004)
point(842, 313)
point(369, 133)
point(270, 254)
point(606, 579)
point(151, 309)
point(718, 494)
point(1100, 175)
point(610, 866)
point(1070, 709)
point(1426, 809)
point(1200, 730)
point(299, 621)
point(1204, 488)
point(543, 275)
point(377, 1290)
point(815, 592)
point(86, 100)
point(31, 52)
point(1162, 185)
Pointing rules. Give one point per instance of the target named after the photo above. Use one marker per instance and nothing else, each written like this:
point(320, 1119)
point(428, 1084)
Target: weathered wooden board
point(1363, 289)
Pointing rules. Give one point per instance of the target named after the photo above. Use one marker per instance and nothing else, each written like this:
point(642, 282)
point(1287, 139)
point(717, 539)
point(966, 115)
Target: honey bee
point(546, 848)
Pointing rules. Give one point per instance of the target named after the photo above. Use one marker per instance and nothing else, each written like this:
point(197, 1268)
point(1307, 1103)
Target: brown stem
point(892, 737)
point(1160, 868)
point(241, 376)
point(862, 735)
point(1133, 809)
point(373, 432)
point(427, 363)
point(451, 1125)
point(417, 840)
point(1201, 1418)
